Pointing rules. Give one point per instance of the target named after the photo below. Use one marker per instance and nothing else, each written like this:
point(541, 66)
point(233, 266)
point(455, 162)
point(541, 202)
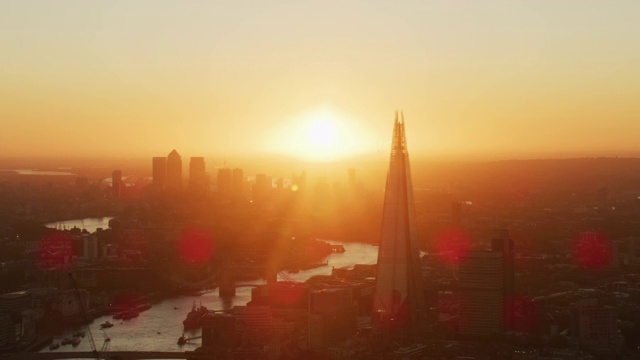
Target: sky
point(320, 79)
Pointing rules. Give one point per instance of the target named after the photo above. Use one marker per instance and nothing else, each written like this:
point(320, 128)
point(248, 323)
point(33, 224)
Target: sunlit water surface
point(159, 328)
point(90, 224)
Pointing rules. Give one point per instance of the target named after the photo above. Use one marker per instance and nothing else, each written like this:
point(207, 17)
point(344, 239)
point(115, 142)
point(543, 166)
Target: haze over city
point(315, 179)
point(318, 80)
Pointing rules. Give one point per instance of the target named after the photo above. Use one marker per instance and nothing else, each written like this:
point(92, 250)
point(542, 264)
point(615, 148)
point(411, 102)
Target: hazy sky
point(481, 78)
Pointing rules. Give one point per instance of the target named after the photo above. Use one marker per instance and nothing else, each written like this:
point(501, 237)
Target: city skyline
point(316, 81)
point(343, 272)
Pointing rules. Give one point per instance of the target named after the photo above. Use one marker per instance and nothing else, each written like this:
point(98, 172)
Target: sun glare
point(322, 135)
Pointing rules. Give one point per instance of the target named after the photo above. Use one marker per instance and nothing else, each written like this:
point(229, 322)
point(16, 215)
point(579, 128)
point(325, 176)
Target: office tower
point(159, 172)
point(255, 323)
point(593, 322)
point(174, 171)
point(7, 330)
point(12, 308)
point(237, 182)
point(218, 334)
point(197, 176)
point(399, 298)
point(223, 182)
point(116, 183)
point(333, 317)
point(89, 246)
point(503, 243)
point(486, 289)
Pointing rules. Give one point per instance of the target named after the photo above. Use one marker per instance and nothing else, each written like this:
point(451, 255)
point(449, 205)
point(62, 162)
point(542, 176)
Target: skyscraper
point(486, 289)
point(197, 175)
point(237, 182)
point(399, 298)
point(116, 183)
point(224, 182)
point(174, 171)
point(159, 172)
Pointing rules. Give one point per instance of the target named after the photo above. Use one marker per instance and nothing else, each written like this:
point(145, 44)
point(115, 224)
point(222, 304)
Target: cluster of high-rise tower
point(167, 173)
point(167, 176)
point(400, 302)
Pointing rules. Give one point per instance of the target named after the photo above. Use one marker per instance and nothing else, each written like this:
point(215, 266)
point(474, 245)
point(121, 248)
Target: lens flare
point(592, 250)
point(196, 246)
point(56, 249)
point(453, 244)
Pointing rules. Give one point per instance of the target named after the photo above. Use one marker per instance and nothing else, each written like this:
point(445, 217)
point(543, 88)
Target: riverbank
point(158, 328)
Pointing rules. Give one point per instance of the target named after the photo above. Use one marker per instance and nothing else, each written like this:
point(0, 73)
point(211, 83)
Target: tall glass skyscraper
point(174, 171)
point(399, 298)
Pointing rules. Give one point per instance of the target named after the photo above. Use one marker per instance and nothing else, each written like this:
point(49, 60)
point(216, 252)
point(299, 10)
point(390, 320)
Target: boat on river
point(194, 317)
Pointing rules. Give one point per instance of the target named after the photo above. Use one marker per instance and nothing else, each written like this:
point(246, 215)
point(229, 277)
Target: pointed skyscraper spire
point(399, 299)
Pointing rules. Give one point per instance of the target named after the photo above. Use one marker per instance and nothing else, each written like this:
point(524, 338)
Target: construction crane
point(83, 313)
point(105, 345)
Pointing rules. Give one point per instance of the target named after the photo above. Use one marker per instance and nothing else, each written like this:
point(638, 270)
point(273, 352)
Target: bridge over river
point(120, 355)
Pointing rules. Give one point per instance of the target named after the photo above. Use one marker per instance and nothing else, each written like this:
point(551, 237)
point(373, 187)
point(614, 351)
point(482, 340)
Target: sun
point(322, 132)
point(320, 135)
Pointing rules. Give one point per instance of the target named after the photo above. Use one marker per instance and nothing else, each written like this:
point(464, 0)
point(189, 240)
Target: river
point(159, 328)
point(90, 224)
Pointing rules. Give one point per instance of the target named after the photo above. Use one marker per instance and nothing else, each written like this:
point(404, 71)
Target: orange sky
point(489, 79)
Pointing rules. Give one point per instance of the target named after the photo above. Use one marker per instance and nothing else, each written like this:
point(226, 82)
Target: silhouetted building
point(7, 330)
point(593, 322)
point(219, 334)
point(333, 317)
point(89, 246)
point(223, 182)
point(15, 302)
point(399, 302)
point(237, 182)
point(595, 326)
point(174, 171)
point(159, 172)
point(254, 323)
point(116, 183)
point(486, 290)
point(198, 179)
point(13, 307)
